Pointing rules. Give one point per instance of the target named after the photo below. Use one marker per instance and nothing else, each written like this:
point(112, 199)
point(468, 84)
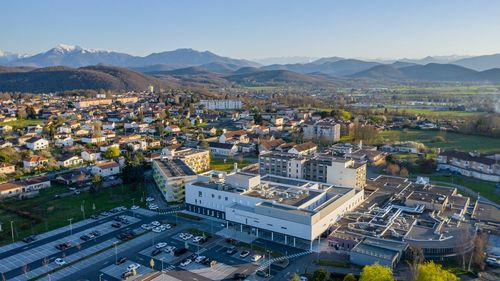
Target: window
point(225, 198)
point(200, 194)
point(213, 195)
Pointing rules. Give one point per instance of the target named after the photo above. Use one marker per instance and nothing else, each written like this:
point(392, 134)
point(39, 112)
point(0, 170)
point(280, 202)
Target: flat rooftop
point(174, 168)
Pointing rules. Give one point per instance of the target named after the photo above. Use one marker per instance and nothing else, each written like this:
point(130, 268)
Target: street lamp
point(116, 252)
point(100, 276)
point(162, 263)
point(12, 230)
point(70, 226)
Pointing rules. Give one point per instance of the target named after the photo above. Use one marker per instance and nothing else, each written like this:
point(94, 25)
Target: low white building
point(222, 104)
point(37, 143)
point(106, 169)
point(282, 209)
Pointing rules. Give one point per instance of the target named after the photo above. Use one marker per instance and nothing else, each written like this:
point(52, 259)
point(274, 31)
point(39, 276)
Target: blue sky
point(257, 28)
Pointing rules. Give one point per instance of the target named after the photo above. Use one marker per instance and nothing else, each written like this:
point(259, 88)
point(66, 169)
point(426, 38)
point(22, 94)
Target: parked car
point(231, 251)
point(156, 223)
point(121, 260)
point(244, 254)
point(133, 266)
point(256, 257)
point(127, 274)
point(187, 236)
point(85, 237)
point(60, 261)
point(156, 252)
point(186, 262)
point(29, 239)
point(150, 199)
point(160, 245)
point(169, 249)
point(135, 207)
point(157, 229)
point(116, 225)
point(199, 259)
point(262, 273)
point(94, 217)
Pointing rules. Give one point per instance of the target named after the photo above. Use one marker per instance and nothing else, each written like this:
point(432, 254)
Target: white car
point(187, 236)
point(256, 257)
point(60, 261)
point(200, 259)
point(197, 239)
point(146, 226)
point(156, 223)
point(167, 226)
point(135, 207)
point(169, 249)
point(493, 262)
point(186, 262)
point(150, 199)
point(181, 235)
point(157, 229)
point(153, 207)
point(161, 245)
point(244, 254)
point(133, 266)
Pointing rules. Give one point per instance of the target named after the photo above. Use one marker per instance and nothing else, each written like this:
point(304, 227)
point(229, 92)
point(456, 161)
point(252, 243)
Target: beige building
point(92, 102)
point(196, 159)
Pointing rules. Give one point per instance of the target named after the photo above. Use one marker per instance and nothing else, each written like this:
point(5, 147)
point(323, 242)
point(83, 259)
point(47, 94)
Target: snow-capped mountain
point(74, 56)
point(7, 57)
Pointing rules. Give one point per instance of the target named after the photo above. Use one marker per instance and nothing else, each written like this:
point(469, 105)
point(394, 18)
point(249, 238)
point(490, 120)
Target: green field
point(218, 164)
point(23, 123)
point(485, 188)
point(54, 213)
point(451, 140)
point(430, 112)
point(455, 90)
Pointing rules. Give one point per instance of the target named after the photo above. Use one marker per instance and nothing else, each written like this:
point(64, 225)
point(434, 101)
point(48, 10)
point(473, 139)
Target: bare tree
point(417, 257)
point(478, 254)
point(463, 247)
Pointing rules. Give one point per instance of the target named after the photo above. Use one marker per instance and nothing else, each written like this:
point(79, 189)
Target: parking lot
point(37, 257)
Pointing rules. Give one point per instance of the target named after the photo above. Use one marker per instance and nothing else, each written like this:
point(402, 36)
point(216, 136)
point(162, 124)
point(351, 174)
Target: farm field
point(451, 140)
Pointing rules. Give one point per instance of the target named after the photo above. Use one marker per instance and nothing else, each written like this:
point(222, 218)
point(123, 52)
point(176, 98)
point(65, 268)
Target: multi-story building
point(222, 104)
point(325, 130)
point(469, 164)
point(285, 210)
point(92, 102)
point(321, 168)
point(196, 159)
point(170, 176)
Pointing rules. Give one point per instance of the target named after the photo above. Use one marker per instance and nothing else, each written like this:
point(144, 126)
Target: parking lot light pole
point(162, 263)
point(12, 230)
point(70, 226)
point(100, 276)
point(116, 252)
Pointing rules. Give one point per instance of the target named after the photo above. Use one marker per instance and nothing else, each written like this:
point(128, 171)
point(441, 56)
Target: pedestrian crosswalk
point(266, 263)
point(169, 268)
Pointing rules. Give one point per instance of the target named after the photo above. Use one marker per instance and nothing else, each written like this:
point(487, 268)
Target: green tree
point(96, 183)
point(350, 277)
point(430, 271)
point(31, 112)
point(295, 277)
point(319, 275)
point(112, 153)
point(376, 272)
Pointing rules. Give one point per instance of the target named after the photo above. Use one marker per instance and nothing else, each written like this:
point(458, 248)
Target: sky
point(256, 29)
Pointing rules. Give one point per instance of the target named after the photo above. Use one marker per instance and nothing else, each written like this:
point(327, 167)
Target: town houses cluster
point(300, 184)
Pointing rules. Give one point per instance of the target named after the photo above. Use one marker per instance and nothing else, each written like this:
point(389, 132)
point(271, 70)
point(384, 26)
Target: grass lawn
point(54, 213)
point(218, 164)
point(21, 123)
point(431, 113)
point(486, 189)
point(452, 140)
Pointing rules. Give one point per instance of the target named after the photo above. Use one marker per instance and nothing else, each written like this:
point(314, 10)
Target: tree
point(434, 272)
point(21, 113)
point(31, 112)
point(376, 272)
point(350, 277)
point(319, 275)
point(404, 172)
point(393, 169)
point(112, 153)
point(96, 183)
point(295, 277)
point(478, 255)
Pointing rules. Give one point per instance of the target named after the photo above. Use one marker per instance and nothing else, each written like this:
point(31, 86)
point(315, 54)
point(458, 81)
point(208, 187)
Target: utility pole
point(12, 230)
point(70, 226)
point(116, 252)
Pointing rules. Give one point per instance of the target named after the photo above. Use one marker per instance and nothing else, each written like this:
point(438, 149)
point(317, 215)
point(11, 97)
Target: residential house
point(35, 162)
point(37, 143)
point(69, 161)
point(6, 168)
point(223, 149)
point(106, 169)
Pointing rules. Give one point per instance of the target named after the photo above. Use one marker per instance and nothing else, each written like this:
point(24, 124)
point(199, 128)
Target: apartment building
point(325, 130)
point(469, 164)
point(196, 159)
point(170, 176)
point(92, 102)
point(228, 104)
point(281, 209)
point(321, 168)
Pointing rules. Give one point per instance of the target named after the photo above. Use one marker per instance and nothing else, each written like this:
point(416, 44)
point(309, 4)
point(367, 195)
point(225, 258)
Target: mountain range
point(67, 67)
